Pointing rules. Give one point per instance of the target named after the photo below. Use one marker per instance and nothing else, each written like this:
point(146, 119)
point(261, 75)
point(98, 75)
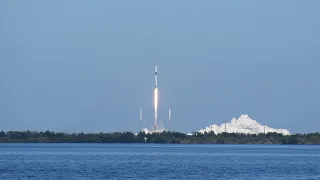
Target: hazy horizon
point(87, 66)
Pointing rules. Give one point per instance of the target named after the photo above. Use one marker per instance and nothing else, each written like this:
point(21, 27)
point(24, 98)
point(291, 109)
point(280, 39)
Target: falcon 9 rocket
point(155, 97)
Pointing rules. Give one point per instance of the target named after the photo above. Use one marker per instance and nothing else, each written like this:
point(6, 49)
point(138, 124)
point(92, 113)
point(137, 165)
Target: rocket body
point(155, 97)
point(169, 119)
point(156, 76)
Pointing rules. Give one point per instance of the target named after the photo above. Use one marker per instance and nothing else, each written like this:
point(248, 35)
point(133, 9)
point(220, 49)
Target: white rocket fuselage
point(156, 76)
point(169, 118)
point(156, 98)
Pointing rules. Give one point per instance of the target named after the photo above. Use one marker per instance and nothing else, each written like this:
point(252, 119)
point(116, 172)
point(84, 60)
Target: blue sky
point(88, 65)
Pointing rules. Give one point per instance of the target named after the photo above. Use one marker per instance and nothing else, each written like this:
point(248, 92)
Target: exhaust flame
point(155, 98)
point(155, 108)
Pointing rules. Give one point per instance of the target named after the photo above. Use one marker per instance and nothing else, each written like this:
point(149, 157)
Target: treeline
point(163, 137)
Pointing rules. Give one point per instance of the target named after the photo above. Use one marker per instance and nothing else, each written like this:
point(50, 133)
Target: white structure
point(140, 116)
point(155, 97)
point(244, 124)
point(169, 119)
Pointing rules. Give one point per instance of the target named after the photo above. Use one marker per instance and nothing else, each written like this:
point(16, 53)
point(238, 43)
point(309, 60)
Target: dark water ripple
point(146, 161)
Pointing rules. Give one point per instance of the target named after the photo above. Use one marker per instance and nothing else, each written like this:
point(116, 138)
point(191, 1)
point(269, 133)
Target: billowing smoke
point(244, 124)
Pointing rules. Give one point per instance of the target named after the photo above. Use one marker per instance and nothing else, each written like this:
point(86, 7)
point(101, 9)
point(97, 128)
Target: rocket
point(140, 116)
point(156, 76)
point(155, 97)
point(169, 119)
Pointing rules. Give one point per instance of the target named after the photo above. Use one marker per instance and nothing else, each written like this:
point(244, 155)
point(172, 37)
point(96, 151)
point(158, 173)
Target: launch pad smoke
point(244, 124)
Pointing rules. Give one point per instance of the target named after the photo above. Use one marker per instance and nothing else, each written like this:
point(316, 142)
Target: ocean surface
point(153, 161)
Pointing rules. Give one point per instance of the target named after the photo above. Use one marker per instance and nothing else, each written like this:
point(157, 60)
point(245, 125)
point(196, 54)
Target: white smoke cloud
point(244, 124)
point(149, 131)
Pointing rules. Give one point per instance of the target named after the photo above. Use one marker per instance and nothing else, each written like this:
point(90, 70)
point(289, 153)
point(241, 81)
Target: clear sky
point(88, 66)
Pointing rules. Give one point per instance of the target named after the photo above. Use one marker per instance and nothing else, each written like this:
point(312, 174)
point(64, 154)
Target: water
point(150, 161)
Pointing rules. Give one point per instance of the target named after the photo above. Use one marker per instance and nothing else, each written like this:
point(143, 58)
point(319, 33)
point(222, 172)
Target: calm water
point(147, 161)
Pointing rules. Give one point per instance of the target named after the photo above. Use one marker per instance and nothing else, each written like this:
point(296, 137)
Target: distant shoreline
point(166, 137)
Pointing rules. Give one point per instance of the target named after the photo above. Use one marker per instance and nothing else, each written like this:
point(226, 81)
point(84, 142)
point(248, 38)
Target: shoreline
point(166, 137)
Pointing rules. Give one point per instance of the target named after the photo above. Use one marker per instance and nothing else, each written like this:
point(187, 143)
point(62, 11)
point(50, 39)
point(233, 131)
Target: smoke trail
point(155, 107)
